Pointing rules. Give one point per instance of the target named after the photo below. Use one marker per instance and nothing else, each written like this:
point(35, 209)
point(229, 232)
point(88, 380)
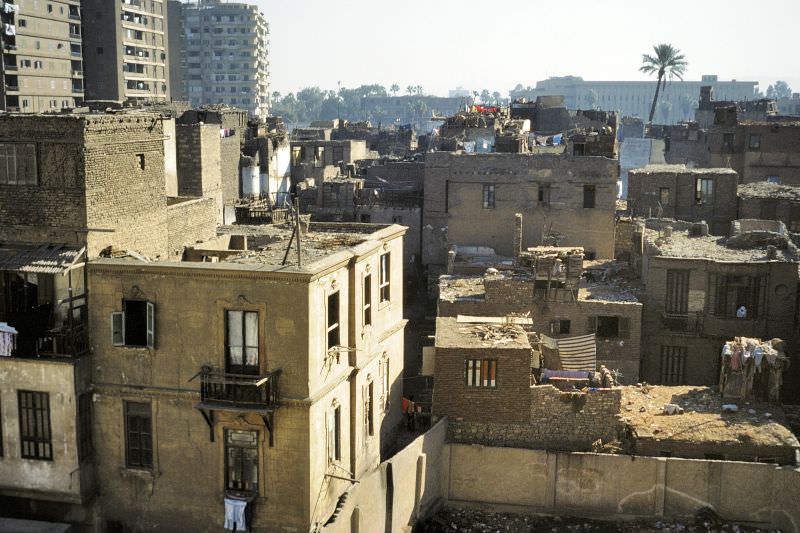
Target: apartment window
point(773, 179)
point(334, 430)
point(34, 425)
point(135, 325)
point(338, 151)
point(609, 327)
point(544, 194)
point(85, 446)
point(588, 196)
point(488, 196)
point(333, 320)
point(241, 342)
point(728, 140)
point(481, 373)
point(677, 300)
point(369, 412)
point(704, 191)
point(384, 375)
point(754, 143)
point(673, 365)
point(140, 161)
point(385, 285)
point(297, 155)
point(727, 293)
point(241, 461)
point(138, 435)
point(18, 164)
point(559, 327)
point(663, 196)
point(367, 300)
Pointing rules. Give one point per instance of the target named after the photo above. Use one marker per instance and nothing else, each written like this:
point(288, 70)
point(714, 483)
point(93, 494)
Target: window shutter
point(118, 329)
point(331, 445)
point(624, 327)
point(151, 325)
point(591, 324)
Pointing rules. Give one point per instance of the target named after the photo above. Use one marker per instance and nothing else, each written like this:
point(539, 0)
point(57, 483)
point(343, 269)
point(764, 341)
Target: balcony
point(238, 391)
point(10, 68)
point(74, 16)
point(76, 36)
point(688, 324)
point(63, 342)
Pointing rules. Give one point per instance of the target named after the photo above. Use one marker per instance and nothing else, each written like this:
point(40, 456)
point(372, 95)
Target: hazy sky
point(441, 44)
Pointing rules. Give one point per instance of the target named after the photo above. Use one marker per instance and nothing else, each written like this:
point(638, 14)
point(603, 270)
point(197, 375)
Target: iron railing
point(239, 390)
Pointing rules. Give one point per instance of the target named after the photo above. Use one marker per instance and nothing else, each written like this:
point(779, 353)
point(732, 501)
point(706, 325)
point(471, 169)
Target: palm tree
point(668, 62)
point(394, 89)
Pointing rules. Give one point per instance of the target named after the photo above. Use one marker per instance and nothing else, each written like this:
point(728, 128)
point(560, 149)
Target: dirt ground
point(450, 520)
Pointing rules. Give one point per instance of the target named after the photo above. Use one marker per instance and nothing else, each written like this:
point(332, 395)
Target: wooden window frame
point(673, 365)
point(35, 431)
point(228, 446)
point(243, 368)
point(334, 433)
point(141, 412)
point(333, 330)
point(385, 287)
point(480, 373)
point(119, 331)
point(367, 300)
point(589, 196)
point(488, 197)
point(11, 153)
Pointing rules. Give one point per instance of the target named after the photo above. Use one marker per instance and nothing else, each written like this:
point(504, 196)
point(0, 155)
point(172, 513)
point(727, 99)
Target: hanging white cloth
point(10, 8)
point(234, 515)
point(10, 29)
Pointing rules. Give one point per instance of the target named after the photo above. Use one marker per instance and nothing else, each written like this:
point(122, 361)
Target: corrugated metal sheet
point(38, 259)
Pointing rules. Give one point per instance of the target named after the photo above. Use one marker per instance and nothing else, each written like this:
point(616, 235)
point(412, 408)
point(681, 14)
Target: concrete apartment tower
point(126, 50)
point(40, 55)
point(225, 55)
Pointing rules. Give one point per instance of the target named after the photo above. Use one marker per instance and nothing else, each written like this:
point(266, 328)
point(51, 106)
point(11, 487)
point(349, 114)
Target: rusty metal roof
point(38, 258)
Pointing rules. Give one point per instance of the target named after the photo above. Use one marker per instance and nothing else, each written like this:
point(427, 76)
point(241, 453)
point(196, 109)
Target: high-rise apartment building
point(226, 55)
point(40, 55)
point(126, 50)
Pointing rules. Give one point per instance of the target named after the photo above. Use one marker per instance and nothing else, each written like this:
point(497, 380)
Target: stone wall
point(623, 239)
point(199, 162)
point(558, 421)
point(190, 221)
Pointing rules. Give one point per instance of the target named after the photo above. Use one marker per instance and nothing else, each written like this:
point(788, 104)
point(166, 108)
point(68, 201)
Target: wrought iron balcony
point(239, 390)
point(63, 342)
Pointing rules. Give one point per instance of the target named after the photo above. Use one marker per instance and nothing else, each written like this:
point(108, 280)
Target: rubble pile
point(496, 334)
point(450, 520)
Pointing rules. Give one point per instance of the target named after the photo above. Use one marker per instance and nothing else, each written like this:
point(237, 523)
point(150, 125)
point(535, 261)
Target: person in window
point(741, 312)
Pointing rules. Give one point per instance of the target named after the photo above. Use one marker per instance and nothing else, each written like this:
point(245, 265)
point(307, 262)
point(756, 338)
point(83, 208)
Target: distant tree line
point(312, 103)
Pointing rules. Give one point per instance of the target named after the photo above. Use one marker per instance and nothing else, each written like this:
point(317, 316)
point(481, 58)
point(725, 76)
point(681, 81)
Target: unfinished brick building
point(94, 180)
point(471, 200)
point(233, 374)
point(770, 201)
point(690, 194)
point(483, 385)
point(700, 291)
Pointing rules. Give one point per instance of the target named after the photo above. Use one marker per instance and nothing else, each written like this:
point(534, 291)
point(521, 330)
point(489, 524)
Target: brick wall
point(558, 421)
point(190, 221)
point(199, 162)
point(623, 239)
point(785, 210)
point(507, 403)
point(91, 188)
point(453, 200)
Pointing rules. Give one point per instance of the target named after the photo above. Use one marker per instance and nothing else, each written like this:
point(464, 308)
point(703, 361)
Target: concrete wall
point(453, 201)
point(399, 491)
point(619, 486)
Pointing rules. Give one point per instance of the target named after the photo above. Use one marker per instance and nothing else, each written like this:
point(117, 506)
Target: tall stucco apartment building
point(126, 50)
point(224, 54)
point(40, 55)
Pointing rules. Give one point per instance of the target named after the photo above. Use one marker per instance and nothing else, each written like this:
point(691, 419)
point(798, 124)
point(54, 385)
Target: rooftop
point(765, 189)
point(679, 169)
point(713, 248)
point(450, 333)
point(754, 424)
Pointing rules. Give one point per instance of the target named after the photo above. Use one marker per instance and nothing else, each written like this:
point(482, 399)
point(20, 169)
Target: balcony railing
point(690, 323)
point(239, 390)
point(62, 342)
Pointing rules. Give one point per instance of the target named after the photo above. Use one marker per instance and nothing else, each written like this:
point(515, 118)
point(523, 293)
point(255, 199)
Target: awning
point(39, 258)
